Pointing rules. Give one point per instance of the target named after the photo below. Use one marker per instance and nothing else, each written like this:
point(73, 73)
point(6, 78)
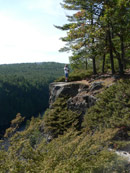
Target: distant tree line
point(24, 88)
point(98, 34)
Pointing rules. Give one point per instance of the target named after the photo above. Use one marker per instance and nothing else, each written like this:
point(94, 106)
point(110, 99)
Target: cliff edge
point(81, 94)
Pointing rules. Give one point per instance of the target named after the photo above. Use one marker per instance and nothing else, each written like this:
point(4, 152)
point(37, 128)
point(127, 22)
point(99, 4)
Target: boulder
point(96, 85)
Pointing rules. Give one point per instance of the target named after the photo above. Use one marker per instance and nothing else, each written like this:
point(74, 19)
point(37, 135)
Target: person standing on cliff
point(66, 71)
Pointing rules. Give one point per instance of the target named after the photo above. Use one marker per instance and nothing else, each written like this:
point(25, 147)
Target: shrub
point(112, 108)
point(76, 75)
point(58, 119)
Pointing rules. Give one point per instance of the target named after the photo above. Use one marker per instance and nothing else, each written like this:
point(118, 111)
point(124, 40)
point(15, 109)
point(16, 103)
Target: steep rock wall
point(81, 95)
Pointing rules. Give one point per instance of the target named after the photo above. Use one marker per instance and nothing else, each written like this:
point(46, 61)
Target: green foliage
point(85, 150)
point(24, 88)
point(71, 152)
point(80, 75)
point(77, 75)
point(58, 119)
point(98, 29)
point(112, 108)
point(15, 124)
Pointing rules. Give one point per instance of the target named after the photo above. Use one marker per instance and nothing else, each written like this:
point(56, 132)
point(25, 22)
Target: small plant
point(15, 123)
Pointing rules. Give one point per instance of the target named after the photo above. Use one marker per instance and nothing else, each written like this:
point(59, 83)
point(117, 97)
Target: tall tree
point(115, 23)
point(80, 39)
point(97, 28)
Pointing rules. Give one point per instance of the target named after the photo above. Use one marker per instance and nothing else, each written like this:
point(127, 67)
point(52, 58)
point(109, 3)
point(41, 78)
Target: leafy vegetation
point(98, 34)
point(58, 119)
point(73, 149)
point(24, 88)
point(112, 109)
point(76, 75)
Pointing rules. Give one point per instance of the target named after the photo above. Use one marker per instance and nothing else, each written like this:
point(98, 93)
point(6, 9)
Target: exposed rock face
point(59, 89)
point(79, 97)
point(81, 103)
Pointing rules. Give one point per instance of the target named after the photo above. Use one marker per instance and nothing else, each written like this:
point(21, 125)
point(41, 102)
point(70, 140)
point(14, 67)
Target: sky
point(27, 32)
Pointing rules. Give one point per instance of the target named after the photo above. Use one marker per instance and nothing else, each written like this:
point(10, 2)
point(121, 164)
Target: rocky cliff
point(81, 95)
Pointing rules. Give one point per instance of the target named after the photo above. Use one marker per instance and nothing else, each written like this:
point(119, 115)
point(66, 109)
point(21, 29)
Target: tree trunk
point(86, 64)
point(103, 63)
point(94, 61)
point(93, 56)
point(118, 56)
point(94, 66)
point(111, 52)
point(121, 71)
point(122, 52)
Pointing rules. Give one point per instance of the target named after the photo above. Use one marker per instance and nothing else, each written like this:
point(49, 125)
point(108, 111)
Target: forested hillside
point(24, 89)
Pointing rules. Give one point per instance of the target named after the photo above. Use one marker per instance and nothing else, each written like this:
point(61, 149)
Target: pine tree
point(97, 28)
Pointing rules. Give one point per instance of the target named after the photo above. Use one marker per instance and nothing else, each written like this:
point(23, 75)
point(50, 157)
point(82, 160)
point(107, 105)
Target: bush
point(58, 119)
point(76, 75)
point(112, 108)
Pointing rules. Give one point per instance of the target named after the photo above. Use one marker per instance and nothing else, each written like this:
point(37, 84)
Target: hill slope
point(60, 142)
point(24, 88)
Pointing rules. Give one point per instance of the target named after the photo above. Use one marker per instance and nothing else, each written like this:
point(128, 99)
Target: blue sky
point(27, 33)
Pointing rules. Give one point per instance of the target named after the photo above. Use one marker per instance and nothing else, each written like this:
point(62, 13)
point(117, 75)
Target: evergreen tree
point(97, 28)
